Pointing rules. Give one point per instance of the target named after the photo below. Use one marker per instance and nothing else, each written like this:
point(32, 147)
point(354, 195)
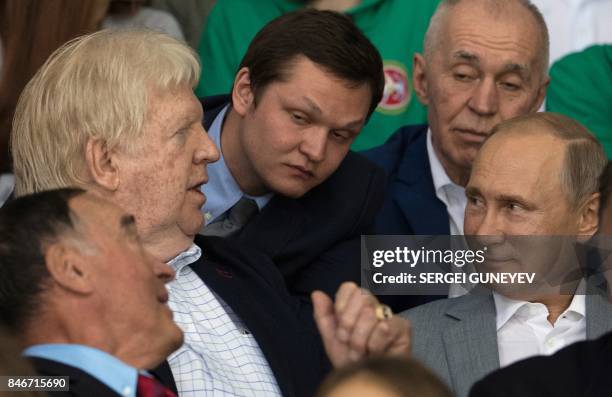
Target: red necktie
point(149, 387)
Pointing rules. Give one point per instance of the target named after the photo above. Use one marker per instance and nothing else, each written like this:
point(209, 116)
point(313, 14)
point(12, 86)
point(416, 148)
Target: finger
point(324, 315)
point(343, 295)
point(360, 336)
point(347, 319)
point(391, 336)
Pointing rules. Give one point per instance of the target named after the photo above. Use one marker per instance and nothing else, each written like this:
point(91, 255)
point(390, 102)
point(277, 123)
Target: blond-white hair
point(94, 87)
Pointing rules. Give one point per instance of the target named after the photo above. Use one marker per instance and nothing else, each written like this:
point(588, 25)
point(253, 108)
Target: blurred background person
point(383, 377)
point(136, 14)
point(190, 14)
point(395, 27)
point(30, 30)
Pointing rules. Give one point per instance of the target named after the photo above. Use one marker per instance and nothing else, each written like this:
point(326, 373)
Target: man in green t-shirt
point(395, 27)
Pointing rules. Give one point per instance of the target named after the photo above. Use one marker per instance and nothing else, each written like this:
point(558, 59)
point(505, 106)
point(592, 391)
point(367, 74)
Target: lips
point(302, 171)
point(472, 136)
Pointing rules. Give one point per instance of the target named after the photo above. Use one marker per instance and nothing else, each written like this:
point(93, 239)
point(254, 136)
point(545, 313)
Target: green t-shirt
point(581, 88)
point(395, 27)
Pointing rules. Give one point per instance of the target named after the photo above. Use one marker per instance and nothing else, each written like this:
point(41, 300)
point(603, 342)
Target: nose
point(163, 271)
point(484, 100)
point(206, 151)
point(314, 144)
point(487, 227)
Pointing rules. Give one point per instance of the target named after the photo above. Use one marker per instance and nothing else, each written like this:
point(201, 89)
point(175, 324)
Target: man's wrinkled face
point(129, 282)
point(517, 206)
point(301, 128)
point(160, 183)
point(484, 70)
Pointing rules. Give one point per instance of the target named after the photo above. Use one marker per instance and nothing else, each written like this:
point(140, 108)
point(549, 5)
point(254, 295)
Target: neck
point(236, 159)
point(88, 329)
point(556, 304)
point(164, 248)
point(458, 175)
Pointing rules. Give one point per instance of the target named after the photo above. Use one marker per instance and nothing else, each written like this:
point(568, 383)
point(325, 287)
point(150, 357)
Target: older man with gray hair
point(114, 112)
point(484, 61)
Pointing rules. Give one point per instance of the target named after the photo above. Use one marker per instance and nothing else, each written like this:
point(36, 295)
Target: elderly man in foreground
point(517, 189)
point(115, 112)
point(83, 296)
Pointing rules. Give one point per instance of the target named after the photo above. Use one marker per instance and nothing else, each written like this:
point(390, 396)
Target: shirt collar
point(109, 370)
point(185, 258)
point(506, 308)
point(222, 190)
point(440, 178)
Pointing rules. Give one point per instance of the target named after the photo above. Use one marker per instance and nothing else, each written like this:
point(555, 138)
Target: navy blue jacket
point(315, 240)
point(579, 370)
point(411, 206)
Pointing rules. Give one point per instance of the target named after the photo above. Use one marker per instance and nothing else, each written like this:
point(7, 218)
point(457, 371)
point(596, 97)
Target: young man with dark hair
point(306, 86)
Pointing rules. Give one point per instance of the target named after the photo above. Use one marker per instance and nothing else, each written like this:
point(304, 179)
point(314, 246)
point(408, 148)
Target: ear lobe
point(69, 269)
point(101, 166)
point(242, 94)
point(419, 79)
point(589, 216)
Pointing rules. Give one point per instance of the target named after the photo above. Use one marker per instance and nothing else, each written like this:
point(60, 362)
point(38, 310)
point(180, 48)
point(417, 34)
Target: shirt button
point(127, 391)
point(551, 342)
point(207, 216)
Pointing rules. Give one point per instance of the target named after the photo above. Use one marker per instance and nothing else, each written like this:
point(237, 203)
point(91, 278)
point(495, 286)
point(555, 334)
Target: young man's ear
point(101, 164)
point(589, 216)
point(419, 79)
point(242, 94)
point(69, 268)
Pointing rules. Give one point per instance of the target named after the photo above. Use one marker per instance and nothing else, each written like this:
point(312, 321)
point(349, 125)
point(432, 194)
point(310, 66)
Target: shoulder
point(391, 153)
point(449, 309)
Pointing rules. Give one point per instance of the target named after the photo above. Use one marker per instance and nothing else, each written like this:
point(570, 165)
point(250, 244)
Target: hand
point(350, 329)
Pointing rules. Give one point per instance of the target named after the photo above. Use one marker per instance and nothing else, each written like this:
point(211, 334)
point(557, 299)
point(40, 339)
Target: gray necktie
point(236, 218)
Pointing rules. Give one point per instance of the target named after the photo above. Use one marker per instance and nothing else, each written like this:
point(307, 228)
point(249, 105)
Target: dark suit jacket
point(81, 383)
point(315, 240)
point(283, 325)
point(411, 206)
point(580, 370)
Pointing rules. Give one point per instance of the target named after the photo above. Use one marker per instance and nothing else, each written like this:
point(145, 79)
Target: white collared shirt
point(219, 357)
point(222, 190)
point(523, 329)
point(451, 194)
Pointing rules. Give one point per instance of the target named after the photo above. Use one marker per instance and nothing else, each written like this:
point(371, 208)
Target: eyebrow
point(466, 56)
point(316, 109)
point(512, 67)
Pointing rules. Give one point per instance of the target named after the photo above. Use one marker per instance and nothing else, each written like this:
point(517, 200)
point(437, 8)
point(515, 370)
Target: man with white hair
point(114, 112)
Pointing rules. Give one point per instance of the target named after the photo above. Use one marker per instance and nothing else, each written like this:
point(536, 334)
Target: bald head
point(583, 156)
point(508, 10)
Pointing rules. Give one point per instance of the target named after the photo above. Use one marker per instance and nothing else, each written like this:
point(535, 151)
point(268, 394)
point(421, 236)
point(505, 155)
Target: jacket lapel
point(278, 223)
point(414, 192)
point(256, 295)
point(471, 343)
